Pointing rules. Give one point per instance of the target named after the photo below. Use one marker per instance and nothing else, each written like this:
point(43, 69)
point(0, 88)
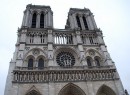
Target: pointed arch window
point(97, 62)
point(89, 62)
point(34, 20)
point(40, 63)
point(30, 63)
point(85, 23)
point(78, 22)
point(42, 21)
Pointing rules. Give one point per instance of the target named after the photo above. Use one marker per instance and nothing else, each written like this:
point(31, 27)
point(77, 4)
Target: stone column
point(30, 20)
point(38, 21)
point(24, 16)
point(72, 24)
point(74, 21)
point(49, 19)
point(100, 38)
point(50, 48)
point(89, 22)
point(22, 42)
point(93, 21)
point(80, 47)
point(27, 17)
point(45, 19)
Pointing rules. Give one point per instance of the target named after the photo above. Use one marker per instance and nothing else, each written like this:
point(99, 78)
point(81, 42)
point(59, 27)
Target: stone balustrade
point(61, 37)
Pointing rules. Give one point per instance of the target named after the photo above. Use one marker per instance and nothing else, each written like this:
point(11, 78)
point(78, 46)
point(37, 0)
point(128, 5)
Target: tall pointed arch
point(42, 20)
point(105, 90)
point(71, 89)
point(30, 63)
point(89, 61)
point(85, 23)
point(33, 91)
point(78, 22)
point(34, 17)
point(40, 63)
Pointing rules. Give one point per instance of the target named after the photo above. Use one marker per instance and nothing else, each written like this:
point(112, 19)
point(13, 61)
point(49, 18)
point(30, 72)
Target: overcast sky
point(112, 17)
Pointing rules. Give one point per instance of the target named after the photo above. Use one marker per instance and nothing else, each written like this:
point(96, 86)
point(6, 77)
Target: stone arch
point(27, 60)
point(89, 61)
point(105, 90)
point(43, 58)
point(71, 89)
point(94, 53)
point(98, 61)
point(70, 49)
point(33, 91)
point(30, 53)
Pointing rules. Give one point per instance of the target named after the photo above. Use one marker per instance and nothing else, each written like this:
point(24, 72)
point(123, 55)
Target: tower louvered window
point(34, 20)
point(42, 21)
point(78, 22)
point(85, 23)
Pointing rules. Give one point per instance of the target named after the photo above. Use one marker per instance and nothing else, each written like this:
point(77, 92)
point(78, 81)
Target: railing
point(63, 75)
point(89, 39)
point(38, 37)
point(63, 38)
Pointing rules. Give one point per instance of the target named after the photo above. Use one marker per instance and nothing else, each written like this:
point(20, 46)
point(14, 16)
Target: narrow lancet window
point(40, 63)
point(78, 22)
point(97, 62)
point(34, 20)
point(89, 62)
point(42, 21)
point(30, 63)
point(85, 23)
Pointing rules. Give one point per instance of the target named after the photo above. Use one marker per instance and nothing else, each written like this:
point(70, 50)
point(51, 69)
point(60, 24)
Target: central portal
point(71, 89)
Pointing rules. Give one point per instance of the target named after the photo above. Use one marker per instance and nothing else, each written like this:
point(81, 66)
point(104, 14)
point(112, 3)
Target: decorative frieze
point(30, 76)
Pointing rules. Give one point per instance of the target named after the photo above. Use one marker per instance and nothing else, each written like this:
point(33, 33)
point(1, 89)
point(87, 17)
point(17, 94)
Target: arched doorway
point(105, 90)
point(71, 89)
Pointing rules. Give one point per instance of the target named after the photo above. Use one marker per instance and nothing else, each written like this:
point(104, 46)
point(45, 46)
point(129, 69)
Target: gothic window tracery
point(34, 20)
point(65, 59)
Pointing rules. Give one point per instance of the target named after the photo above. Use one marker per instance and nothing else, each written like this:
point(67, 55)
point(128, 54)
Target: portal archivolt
point(71, 89)
point(105, 90)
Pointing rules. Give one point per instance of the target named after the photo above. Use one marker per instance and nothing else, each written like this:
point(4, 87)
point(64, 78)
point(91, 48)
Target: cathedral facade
point(70, 61)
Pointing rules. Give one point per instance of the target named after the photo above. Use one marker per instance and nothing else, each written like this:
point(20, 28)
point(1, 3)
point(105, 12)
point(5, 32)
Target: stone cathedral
point(70, 61)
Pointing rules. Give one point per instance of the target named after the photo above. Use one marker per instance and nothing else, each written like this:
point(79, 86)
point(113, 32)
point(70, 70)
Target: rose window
point(65, 59)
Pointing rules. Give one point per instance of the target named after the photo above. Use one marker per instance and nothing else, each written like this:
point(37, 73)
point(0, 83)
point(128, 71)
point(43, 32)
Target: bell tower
point(37, 17)
point(70, 61)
